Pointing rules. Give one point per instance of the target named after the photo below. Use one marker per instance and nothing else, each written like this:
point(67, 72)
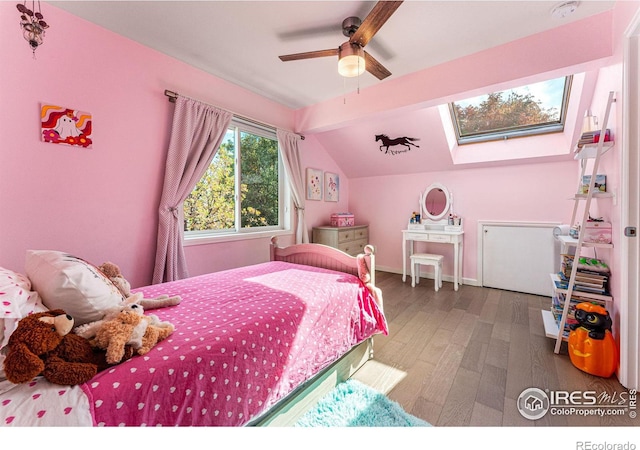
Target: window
point(242, 189)
point(524, 111)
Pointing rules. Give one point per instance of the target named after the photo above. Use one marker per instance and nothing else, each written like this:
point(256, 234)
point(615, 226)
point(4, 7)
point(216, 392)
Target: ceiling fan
point(353, 60)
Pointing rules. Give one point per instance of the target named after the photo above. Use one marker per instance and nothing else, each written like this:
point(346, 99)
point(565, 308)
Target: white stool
point(429, 260)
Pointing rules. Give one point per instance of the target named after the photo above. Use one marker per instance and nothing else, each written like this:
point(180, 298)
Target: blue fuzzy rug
point(353, 404)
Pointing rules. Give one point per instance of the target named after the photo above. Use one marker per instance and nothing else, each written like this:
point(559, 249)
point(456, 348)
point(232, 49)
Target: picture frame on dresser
point(314, 181)
point(331, 187)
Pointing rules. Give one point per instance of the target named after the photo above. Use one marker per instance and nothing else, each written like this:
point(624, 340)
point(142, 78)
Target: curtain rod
point(173, 95)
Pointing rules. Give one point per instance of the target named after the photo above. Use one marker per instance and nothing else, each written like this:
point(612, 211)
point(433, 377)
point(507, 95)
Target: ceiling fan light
point(351, 60)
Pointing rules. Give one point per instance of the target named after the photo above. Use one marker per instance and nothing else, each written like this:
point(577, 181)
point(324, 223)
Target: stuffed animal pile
point(125, 328)
point(47, 344)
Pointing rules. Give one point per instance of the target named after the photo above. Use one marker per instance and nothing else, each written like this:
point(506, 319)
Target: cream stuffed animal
point(155, 332)
point(89, 330)
point(112, 271)
point(130, 327)
point(126, 328)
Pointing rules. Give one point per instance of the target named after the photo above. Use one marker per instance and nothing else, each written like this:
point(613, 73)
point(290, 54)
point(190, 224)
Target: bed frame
point(288, 410)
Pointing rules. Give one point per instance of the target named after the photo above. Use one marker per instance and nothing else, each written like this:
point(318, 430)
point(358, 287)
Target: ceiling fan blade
point(374, 21)
point(308, 55)
point(305, 33)
point(375, 68)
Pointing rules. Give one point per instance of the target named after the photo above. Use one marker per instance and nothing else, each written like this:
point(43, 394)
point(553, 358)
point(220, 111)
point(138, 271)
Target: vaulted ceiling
point(240, 41)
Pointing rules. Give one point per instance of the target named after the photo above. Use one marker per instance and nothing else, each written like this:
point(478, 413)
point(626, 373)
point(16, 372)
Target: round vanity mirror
point(436, 202)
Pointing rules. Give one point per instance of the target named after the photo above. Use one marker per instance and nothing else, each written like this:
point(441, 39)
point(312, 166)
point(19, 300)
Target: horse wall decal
point(387, 142)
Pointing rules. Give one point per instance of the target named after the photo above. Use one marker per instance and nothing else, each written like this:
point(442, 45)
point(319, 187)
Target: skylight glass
point(523, 111)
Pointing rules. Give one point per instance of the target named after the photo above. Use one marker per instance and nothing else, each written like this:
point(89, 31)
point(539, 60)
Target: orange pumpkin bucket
point(592, 347)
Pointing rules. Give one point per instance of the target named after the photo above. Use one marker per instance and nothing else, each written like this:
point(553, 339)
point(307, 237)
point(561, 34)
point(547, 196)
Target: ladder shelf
point(566, 295)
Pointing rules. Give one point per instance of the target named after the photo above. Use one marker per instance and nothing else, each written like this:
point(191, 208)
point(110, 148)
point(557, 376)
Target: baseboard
point(448, 278)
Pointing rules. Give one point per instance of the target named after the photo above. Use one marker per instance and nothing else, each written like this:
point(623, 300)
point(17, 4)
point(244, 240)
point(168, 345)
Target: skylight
point(534, 109)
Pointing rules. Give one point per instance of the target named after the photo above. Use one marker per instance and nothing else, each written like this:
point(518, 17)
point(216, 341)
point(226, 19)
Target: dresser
point(350, 240)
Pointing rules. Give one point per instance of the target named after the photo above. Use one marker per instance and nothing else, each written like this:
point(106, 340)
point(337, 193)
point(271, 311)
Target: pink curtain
point(196, 135)
point(291, 158)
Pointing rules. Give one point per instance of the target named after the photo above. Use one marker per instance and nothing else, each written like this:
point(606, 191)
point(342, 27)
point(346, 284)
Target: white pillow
point(67, 282)
point(17, 300)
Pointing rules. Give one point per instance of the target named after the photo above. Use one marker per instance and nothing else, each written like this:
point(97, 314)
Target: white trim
point(448, 278)
point(216, 239)
point(448, 202)
point(629, 370)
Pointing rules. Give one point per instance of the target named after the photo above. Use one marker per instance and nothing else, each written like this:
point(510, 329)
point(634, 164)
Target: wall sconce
point(32, 24)
point(350, 60)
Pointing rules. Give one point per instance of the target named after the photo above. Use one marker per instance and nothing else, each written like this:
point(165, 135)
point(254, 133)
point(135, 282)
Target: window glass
point(241, 189)
point(259, 169)
point(523, 111)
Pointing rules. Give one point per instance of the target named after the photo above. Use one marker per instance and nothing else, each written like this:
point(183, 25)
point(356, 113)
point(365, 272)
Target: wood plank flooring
point(462, 358)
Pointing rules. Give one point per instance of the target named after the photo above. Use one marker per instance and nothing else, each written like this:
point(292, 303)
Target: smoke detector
point(564, 9)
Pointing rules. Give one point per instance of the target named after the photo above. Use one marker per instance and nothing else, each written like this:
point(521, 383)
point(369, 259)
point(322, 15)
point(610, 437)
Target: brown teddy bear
point(112, 271)
point(129, 328)
point(42, 344)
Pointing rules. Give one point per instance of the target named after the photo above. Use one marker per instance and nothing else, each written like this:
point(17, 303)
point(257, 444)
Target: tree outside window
point(528, 110)
point(241, 188)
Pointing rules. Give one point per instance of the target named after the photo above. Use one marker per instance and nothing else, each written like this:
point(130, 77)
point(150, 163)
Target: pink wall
point(100, 204)
point(529, 193)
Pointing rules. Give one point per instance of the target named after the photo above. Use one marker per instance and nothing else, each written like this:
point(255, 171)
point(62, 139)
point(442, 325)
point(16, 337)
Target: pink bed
point(245, 339)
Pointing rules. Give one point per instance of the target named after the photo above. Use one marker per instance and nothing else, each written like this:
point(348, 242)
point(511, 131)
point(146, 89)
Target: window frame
point(516, 132)
point(238, 126)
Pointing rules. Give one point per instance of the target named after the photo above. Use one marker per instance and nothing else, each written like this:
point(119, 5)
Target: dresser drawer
point(361, 233)
point(346, 236)
point(416, 236)
point(439, 238)
point(430, 237)
point(353, 247)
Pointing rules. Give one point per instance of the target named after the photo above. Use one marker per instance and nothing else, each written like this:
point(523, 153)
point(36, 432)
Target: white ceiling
point(240, 41)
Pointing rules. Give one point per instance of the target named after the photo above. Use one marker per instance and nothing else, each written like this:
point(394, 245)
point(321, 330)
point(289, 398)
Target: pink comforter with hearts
point(244, 339)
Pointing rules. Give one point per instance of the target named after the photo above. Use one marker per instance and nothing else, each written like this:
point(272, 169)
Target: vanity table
point(435, 203)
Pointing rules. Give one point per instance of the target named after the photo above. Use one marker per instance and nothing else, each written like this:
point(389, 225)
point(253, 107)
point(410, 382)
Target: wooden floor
point(462, 358)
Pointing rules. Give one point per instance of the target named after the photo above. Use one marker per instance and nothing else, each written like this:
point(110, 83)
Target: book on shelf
point(585, 265)
point(559, 298)
point(557, 308)
point(600, 185)
point(592, 137)
point(562, 282)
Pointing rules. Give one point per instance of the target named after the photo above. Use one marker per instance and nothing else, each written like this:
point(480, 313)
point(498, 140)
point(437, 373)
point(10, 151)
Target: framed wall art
point(60, 125)
point(331, 187)
point(314, 184)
